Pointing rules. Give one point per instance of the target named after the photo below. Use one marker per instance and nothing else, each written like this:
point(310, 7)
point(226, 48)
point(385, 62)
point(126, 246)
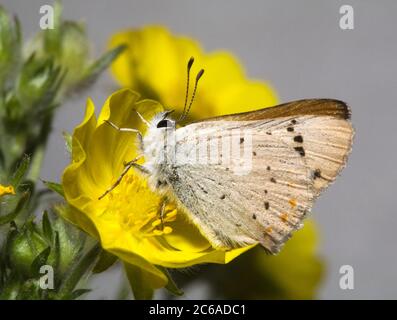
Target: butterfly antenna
point(189, 66)
point(199, 75)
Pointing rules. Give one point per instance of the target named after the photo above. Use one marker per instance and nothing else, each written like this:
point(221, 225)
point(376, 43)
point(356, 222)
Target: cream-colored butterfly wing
point(294, 156)
point(325, 141)
point(262, 206)
point(320, 126)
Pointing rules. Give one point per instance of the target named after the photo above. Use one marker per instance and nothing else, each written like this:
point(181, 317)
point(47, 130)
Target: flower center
point(139, 210)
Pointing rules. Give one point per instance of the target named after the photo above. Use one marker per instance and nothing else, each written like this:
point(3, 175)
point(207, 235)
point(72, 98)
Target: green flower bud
point(74, 55)
point(67, 44)
point(65, 242)
point(10, 39)
point(24, 249)
point(37, 83)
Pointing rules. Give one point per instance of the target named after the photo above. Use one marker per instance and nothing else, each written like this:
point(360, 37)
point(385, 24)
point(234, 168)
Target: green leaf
point(56, 187)
point(19, 207)
point(106, 260)
point(18, 30)
point(10, 47)
point(30, 290)
point(57, 254)
point(52, 37)
point(97, 67)
point(139, 283)
point(77, 293)
point(11, 287)
point(5, 251)
point(40, 260)
point(2, 160)
point(171, 285)
point(70, 243)
point(47, 228)
point(68, 141)
point(20, 171)
point(78, 272)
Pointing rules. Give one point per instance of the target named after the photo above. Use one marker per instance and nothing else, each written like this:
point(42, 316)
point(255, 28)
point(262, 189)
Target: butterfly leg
point(126, 163)
point(162, 211)
point(143, 119)
point(127, 167)
point(127, 130)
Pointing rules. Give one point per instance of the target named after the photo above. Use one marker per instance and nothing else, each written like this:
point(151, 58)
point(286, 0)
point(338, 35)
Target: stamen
point(171, 214)
point(142, 223)
point(167, 230)
point(156, 223)
point(157, 232)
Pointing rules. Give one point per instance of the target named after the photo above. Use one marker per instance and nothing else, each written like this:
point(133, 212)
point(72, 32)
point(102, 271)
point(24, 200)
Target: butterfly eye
point(164, 124)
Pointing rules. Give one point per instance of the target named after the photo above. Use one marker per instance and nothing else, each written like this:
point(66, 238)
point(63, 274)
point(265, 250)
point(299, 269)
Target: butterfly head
point(163, 121)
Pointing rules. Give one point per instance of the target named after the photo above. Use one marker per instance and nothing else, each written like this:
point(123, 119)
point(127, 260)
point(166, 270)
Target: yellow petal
point(223, 89)
point(301, 281)
point(5, 190)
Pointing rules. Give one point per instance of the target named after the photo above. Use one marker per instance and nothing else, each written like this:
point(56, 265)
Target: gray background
point(299, 47)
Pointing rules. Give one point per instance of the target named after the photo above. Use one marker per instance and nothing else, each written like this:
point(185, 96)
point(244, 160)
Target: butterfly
point(295, 150)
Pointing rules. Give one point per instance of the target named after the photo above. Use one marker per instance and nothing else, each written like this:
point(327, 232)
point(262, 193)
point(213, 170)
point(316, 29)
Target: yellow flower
point(5, 190)
point(127, 220)
point(294, 273)
point(154, 64)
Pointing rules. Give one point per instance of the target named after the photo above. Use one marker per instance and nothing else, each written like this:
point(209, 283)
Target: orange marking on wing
point(268, 229)
point(292, 202)
point(284, 217)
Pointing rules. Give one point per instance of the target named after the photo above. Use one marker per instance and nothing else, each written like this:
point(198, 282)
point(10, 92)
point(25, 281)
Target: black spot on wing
point(317, 174)
point(298, 139)
point(300, 150)
point(203, 189)
point(267, 205)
